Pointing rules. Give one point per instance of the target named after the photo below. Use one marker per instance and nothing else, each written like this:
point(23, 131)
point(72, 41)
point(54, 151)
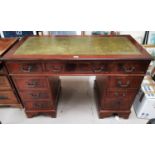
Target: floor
point(76, 106)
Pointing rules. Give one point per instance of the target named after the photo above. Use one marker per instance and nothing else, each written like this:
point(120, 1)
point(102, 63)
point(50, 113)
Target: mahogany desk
point(118, 62)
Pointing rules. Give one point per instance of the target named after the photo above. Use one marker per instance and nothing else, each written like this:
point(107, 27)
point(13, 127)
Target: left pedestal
point(39, 94)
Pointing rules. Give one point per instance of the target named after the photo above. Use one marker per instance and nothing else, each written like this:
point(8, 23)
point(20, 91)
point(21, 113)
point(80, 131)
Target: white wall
point(138, 35)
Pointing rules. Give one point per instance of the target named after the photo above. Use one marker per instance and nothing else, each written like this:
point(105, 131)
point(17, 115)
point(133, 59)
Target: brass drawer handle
point(35, 96)
point(40, 105)
point(129, 70)
point(3, 97)
point(116, 94)
point(98, 69)
point(56, 69)
point(26, 68)
point(123, 85)
point(32, 84)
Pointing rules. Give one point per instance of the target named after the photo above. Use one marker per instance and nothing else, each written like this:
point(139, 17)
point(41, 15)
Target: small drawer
point(31, 82)
point(126, 94)
point(123, 82)
point(54, 67)
point(7, 97)
point(93, 67)
point(117, 103)
point(35, 95)
point(39, 105)
point(24, 67)
point(4, 83)
point(130, 67)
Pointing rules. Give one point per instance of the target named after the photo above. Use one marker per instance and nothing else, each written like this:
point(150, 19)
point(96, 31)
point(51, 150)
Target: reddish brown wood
point(78, 67)
point(8, 93)
point(31, 83)
point(8, 97)
point(4, 83)
point(118, 78)
point(31, 114)
point(38, 105)
point(123, 82)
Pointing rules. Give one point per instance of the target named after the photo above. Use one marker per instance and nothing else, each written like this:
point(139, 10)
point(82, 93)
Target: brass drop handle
point(32, 84)
point(56, 69)
point(123, 85)
point(26, 68)
point(40, 105)
point(35, 95)
point(116, 94)
point(3, 97)
point(98, 69)
point(128, 70)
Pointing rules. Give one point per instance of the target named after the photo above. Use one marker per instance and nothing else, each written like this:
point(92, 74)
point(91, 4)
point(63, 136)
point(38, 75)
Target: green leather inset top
point(77, 46)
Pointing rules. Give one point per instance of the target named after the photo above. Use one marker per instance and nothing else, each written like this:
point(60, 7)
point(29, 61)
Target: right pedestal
point(115, 94)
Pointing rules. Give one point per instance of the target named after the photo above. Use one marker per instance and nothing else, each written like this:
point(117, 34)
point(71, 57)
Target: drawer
point(35, 95)
point(24, 67)
point(31, 83)
point(129, 67)
point(127, 94)
point(54, 67)
point(4, 83)
point(7, 97)
point(123, 82)
point(117, 103)
point(93, 67)
point(39, 105)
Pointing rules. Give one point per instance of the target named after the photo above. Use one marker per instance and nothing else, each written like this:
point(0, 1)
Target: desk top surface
point(5, 44)
point(77, 47)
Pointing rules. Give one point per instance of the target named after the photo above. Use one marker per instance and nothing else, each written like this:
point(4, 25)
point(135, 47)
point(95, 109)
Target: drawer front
point(129, 67)
point(117, 103)
point(7, 97)
point(123, 82)
point(39, 105)
point(126, 94)
point(93, 67)
point(35, 95)
point(24, 68)
point(77, 67)
point(31, 83)
point(4, 83)
point(54, 67)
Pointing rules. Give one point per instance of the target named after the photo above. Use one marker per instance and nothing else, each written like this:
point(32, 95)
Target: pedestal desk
point(8, 94)
point(118, 62)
